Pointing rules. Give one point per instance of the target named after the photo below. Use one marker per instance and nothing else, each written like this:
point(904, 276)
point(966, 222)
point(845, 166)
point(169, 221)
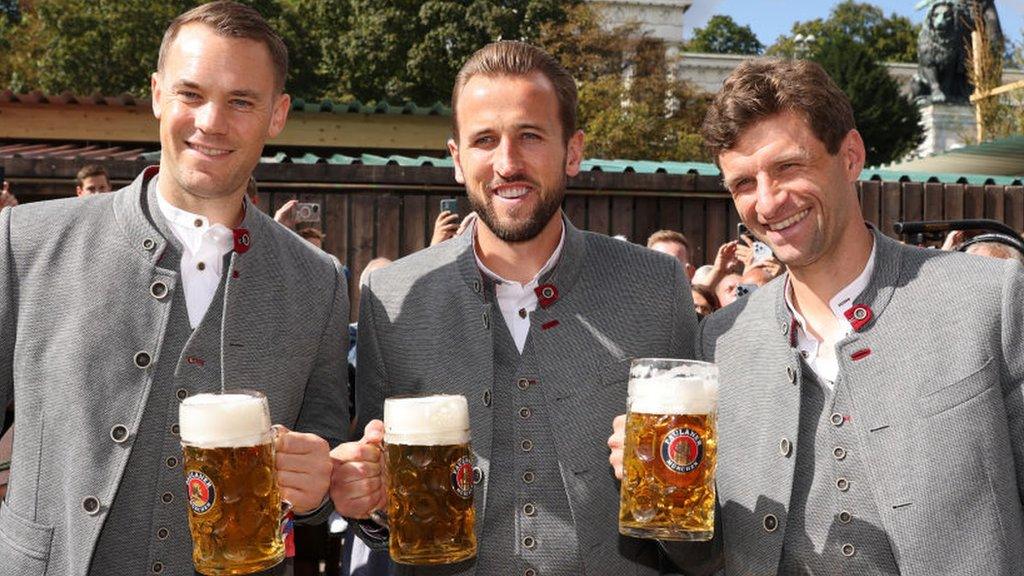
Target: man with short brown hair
point(172, 286)
point(92, 179)
point(533, 321)
point(674, 244)
point(837, 377)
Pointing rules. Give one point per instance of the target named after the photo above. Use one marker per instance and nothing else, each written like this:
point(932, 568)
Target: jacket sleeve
point(685, 330)
point(8, 311)
point(1012, 369)
point(325, 405)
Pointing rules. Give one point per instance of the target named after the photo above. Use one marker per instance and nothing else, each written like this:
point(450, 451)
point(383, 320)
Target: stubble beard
point(519, 229)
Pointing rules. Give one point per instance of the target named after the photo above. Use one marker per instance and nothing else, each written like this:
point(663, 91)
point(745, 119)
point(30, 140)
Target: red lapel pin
point(243, 240)
point(547, 294)
point(858, 316)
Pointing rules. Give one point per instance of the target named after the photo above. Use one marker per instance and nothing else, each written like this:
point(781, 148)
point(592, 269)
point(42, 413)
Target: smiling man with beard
point(533, 321)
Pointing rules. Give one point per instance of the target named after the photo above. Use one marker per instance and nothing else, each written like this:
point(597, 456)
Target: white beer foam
point(673, 394)
point(440, 420)
point(223, 420)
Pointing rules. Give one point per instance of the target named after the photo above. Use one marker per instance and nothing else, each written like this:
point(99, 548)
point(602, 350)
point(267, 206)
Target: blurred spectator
point(674, 244)
point(704, 301)
point(994, 249)
point(759, 274)
point(702, 275)
point(991, 245)
point(285, 215)
point(445, 227)
point(725, 289)
point(312, 235)
point(6, 197)
point(92, 179)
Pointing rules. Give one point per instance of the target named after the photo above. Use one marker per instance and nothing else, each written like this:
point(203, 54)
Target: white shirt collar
point(843, 300)
point(544, 269)
point(191, 229)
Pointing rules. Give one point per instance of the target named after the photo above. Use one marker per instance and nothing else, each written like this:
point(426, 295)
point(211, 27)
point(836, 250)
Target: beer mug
point(234, 505)
point(668, 478)
point(430, 479)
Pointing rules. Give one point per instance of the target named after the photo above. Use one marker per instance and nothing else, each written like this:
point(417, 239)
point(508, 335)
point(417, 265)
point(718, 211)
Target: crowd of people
point(115, 308)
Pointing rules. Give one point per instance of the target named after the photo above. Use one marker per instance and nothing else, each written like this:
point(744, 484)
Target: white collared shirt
point(517, 301)
point(202, 256)
point(822, 359)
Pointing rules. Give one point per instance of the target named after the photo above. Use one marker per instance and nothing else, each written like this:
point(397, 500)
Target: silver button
point(523, 384)
point(162, 534)
point(487, 397)
point(529, 542)
point(836, 419)
point(91, 505)
point(770, 522)
point(785, 328)
point(791, 374)
point(148, 244)
point(848, 550)
point(158, 290)
point(119, 433)
point(167, 498)
point(524, 412)
point(487, 320)
point(526, 445)
point(142, 359)
point(171, 462)
point(845, 517)
point(181, 393)
point(175, 429)
point(476, 286)
point(529, 572)
point(158, 567)
point(528, 477)
point(529, 509)
point(842, 484)
point(839, 452)
point(478, 475)
point(785, 447)
point(860, 313)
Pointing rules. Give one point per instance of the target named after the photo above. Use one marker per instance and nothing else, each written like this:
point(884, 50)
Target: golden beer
point(234, 505)
point(668, 484)
point(430, 480)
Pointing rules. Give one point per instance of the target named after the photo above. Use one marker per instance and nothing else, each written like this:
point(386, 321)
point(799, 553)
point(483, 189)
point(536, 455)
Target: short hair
point(90, 170)
point(512, 58)
point(232, 20)
point(668, 236)
point(311, 233)
point(763, 87)
point(708, 295)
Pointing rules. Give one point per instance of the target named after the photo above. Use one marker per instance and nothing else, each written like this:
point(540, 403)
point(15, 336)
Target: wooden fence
point(370, 211)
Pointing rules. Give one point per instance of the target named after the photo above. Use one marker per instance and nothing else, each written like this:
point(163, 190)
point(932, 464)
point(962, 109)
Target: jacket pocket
point(24, 545)
point(960, 391)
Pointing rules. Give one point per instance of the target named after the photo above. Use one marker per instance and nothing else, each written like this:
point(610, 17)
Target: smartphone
point(450, 205)
point(307, 212)
point(741, 230)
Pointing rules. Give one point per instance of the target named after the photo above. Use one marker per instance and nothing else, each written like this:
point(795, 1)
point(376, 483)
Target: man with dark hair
point(674, 244)
point(113, 309)
point(838, 378)
point(533, 321)
point(92, 179)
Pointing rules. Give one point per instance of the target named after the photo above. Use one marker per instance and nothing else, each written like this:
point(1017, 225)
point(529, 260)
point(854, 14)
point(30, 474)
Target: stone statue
point(942, 49)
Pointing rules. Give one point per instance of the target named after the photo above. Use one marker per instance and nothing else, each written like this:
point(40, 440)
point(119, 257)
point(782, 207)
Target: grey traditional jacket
point(425, 327)
point(936, 377)
point(84, 305)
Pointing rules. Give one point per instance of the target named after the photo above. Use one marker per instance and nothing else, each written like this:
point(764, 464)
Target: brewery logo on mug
point(682, 450)
point(462, 477)
point(201, 492)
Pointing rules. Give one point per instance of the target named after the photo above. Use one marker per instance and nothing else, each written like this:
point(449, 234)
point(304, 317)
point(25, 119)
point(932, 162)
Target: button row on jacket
point(142, 359)
point(119, 433)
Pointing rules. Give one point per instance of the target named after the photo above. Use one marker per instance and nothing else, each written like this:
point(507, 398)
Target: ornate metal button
point(119, 433)
point(770, 522)
point(158, 290)
point(91, 505)
point(142, 359)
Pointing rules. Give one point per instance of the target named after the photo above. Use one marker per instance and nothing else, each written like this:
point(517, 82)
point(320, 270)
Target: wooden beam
point(137, 124)
point(1018, 85)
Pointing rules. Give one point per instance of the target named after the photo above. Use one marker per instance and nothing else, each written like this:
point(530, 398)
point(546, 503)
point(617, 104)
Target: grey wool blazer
point(425, 327)
point(937, 379)
point(77, 306)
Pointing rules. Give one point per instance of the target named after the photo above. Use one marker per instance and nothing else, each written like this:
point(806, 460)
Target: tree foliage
point(722, 35)
point(630, 105)
point(888, 121)
point(886, 38)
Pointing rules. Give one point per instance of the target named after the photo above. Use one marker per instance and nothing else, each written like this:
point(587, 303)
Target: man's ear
point(157, 91)
point(854, 154)
point(279, 115)
point(574, 154)
point(453, 149)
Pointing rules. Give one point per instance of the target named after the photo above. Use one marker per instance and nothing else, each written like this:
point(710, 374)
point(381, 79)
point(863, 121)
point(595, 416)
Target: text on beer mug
point(234, 505)
point(668, 483)
point(430, 479)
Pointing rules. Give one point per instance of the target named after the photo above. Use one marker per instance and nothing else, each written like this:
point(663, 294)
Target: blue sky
point(771, 18)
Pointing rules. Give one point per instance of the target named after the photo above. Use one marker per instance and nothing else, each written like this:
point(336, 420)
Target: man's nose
point(211, 119)
point(770, 196)
point(507, 159)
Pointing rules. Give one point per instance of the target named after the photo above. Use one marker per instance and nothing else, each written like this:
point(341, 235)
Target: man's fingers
point(300, 443)
point(356, 471)
point(355, 452)
point(303, 462)
point(373, 433)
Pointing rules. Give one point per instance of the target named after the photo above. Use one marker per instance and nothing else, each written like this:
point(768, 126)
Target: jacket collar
point(876, 295)
point(563, 274)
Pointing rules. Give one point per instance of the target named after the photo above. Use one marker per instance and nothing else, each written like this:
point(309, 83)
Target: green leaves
point(722, 35)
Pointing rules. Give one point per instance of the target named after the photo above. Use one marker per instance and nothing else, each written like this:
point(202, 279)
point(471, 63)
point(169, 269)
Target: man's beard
point(519, 229)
